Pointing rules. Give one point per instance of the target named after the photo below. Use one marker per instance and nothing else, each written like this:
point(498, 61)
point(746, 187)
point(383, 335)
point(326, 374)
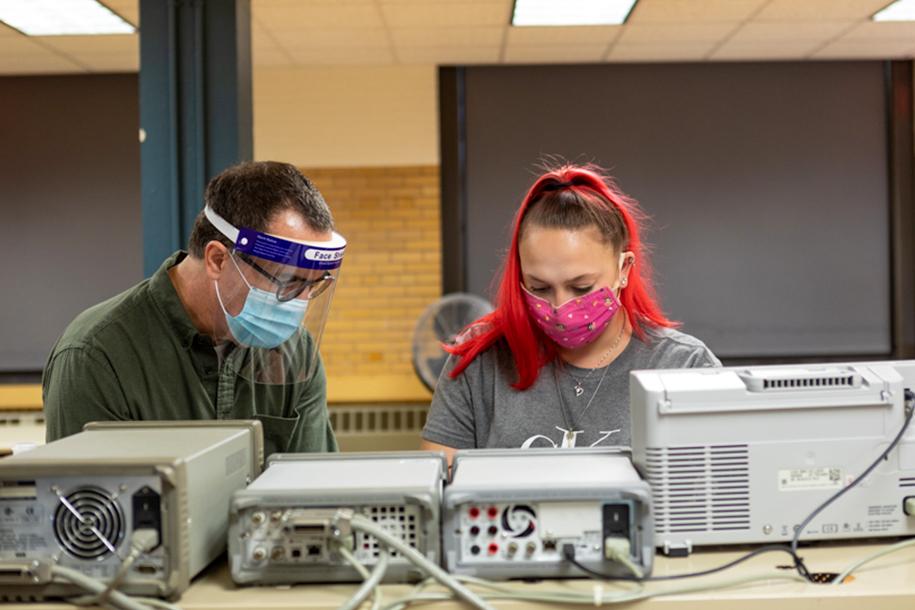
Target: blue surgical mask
point(264, 321)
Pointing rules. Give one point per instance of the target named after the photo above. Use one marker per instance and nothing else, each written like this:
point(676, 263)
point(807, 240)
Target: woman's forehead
point(543, 244)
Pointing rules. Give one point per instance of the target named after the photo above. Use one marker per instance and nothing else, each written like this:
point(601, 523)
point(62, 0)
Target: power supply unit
point(523, 513)
point(282, 527)
point(77, 503)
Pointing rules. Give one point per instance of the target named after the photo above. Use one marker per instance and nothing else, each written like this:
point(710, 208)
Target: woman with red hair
point(575, 312)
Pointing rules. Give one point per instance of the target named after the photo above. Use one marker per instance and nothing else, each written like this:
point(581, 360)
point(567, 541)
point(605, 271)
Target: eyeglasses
point(286, 290)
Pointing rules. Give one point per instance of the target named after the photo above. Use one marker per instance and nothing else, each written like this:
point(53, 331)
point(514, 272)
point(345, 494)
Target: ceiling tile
point(819, 10)
point(22, 45)
point(124, 44)
point(866, 49)
point(882, 30)
point(530, 36)
point(774, 31)
point(447, 37)
point(269, 56)
point(110, 63)
point(765, 50)
point(690, 11)
point(258, 5)
point(128, 9)
point(332, 37)
point(664, 33)
point(8, 32)
point(506, 3)
point(341, 56)
point(554, 53)
point(448, 55)
point(424, 14)
point(306, 15)
point(659, 52)
point(37, 64)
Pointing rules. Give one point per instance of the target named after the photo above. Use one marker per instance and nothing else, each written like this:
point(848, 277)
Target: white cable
point(619, 550)
point(363, 524)
point(92, 585)
point(157, 603)
point(584, 598)
point(885, 551)
point(370, 581)
point(141, 541)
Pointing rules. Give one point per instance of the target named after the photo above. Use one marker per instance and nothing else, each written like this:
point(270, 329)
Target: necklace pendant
point(579, 390)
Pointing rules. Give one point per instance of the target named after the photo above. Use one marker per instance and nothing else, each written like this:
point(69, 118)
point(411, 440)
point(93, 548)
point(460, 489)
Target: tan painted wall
point(344, 116)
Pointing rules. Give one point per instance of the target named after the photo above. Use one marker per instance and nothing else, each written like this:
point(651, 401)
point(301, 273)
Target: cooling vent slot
point(760, 380)
point(399, 521)
point(699, 489)
point(89, 523)
point(906, 481)
point(847, 381)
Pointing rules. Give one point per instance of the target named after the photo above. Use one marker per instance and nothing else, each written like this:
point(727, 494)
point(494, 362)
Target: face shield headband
point(250, 245)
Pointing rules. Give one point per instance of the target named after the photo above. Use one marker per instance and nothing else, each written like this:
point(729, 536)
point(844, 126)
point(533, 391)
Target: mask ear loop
point(216, 284)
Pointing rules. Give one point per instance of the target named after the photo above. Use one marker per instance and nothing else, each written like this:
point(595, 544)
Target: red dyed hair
point(530, 348)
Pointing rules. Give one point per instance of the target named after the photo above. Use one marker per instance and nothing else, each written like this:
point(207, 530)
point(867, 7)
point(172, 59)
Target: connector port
point(147, 511)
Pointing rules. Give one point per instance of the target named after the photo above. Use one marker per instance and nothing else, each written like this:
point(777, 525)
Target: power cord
point(597, 597)
point(367, 526)
point(141, 541)
point(909, 407)
point(568, 551)
point(115, 598)
point(799, 565)
point(802, 570)
point(840, 579)
point(370, 581)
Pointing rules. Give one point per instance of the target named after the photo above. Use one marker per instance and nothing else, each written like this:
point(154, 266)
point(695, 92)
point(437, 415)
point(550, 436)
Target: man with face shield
point(229, 330)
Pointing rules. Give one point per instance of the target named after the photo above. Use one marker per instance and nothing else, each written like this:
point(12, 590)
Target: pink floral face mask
point(576, 322)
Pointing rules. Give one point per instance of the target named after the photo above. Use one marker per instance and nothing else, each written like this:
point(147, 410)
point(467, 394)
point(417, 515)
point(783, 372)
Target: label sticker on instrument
point(802, 479)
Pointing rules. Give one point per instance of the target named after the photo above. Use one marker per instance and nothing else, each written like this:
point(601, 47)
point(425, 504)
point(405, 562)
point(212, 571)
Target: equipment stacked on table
point(742, 455)
point(140, 507)
point(546, 513)
point(319, 518)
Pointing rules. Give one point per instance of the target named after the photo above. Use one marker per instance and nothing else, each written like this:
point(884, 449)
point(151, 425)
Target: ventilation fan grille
point(699, 489)
point(89, 523)
point(400, 521)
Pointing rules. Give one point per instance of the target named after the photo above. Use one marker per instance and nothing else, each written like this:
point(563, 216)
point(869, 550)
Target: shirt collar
point(166, 298)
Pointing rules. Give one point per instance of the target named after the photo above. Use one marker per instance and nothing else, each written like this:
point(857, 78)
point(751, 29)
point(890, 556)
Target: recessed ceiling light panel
point(571, 12)
point(901, 10)
point(62, 18)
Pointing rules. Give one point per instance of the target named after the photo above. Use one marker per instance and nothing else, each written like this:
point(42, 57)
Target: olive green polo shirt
point(137, 356)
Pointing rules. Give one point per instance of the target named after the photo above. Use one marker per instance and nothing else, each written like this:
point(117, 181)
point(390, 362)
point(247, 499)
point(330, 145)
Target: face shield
point(274, 294)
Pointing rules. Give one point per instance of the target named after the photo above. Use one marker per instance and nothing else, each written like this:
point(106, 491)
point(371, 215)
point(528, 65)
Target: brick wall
point(391, 272)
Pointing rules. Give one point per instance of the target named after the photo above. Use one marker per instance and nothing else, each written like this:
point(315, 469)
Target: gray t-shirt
point(463, 414)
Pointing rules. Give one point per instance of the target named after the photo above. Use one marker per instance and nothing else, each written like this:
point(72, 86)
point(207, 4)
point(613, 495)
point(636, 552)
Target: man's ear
point(215, 258)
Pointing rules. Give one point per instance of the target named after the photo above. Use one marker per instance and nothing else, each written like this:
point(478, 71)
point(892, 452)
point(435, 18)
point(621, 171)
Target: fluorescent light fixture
point(62, 18)
point(901, 10)
point(571, 12)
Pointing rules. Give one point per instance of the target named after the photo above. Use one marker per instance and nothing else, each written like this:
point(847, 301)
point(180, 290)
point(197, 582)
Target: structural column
point(195, 110)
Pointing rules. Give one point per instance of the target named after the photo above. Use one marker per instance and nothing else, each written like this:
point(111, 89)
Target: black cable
point(568, 551)
point(569, 555)
point(909, 406)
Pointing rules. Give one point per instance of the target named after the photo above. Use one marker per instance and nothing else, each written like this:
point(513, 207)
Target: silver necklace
point(579, 389)
point(566, 413)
